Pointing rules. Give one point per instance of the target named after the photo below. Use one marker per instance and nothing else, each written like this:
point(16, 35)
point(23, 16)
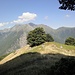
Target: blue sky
point(36, 11)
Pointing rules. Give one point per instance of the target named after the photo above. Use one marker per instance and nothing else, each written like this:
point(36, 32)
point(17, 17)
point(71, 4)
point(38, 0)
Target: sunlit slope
point(46, 48)
point(15, 54)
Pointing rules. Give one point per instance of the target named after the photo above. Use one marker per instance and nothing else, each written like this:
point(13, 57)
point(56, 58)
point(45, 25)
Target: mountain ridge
point(15, 37)
point(45, 48)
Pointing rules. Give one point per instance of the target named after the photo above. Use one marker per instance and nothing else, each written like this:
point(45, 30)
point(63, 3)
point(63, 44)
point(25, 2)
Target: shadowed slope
point(34, 63)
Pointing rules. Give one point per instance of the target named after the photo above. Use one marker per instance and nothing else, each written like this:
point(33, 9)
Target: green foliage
point(37, 37)
point(67, 4)
point(70, 41)
point(49, 38)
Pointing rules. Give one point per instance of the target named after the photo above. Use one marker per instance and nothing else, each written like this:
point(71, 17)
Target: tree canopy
point(67, 4)
point(38, 36)
point(49, 38)
point(70, 41)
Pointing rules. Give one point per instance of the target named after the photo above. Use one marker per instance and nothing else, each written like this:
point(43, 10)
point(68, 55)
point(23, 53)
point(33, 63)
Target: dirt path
point(51, 48)
point(15, 54)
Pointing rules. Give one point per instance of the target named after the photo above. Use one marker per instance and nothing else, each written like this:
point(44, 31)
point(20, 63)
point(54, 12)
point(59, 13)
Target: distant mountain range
point(15, 37)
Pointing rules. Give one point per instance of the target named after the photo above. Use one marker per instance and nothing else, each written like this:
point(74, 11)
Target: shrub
point(70, 41)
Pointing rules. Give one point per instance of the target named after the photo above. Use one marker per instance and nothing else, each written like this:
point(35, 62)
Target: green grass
point(42, 47)
point(37, 49)
point(2, 57)
point(67, 47)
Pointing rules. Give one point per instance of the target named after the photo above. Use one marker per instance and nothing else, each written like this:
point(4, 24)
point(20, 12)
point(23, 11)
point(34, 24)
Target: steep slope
point(15, 54)
point(64, 32)
point(37, 60)
point(14, 38)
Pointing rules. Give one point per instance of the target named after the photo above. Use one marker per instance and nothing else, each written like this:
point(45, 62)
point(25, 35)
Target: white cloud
point(67, 16)
point(3, 24)
point(18, 21)
point(25, 17)
point(46, 18)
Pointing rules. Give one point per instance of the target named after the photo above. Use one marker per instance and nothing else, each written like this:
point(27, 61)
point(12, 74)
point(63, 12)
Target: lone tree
point(37, 37)
point(67, 4)
point(70, 41)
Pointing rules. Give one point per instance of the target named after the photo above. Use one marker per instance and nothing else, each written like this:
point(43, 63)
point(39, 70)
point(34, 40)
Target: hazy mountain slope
point(64, 32)
point(46, 28)
point(13, 39)
point(59, 34)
